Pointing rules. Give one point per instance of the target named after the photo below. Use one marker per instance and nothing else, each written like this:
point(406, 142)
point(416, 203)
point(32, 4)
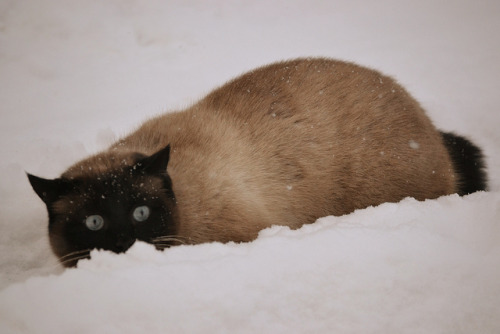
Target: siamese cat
point(284, 144)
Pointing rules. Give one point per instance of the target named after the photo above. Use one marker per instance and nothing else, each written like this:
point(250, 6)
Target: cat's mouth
point(123, 245)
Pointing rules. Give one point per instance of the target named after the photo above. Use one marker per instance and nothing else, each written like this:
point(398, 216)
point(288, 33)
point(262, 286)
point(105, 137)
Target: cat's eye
point(141, 213)
point(94, 222)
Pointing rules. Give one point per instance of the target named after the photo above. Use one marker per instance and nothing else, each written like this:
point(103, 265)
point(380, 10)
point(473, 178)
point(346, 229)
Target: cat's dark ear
point(156, 163)
point(48, 190)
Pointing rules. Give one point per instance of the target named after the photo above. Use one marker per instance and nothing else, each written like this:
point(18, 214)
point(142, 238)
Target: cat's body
point(284, 144)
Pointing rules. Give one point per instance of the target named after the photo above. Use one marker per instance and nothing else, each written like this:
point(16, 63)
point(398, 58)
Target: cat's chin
point(123, 245)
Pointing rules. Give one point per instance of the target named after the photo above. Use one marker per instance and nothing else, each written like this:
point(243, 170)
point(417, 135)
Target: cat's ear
point(48, 190)
point(156, 163)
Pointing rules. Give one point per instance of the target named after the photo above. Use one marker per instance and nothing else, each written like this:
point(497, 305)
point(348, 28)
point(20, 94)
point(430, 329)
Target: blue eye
point(141, 213)
point(94, 222)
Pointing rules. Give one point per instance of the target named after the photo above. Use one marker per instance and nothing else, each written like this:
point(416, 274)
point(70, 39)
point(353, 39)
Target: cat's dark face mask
point(110, 210)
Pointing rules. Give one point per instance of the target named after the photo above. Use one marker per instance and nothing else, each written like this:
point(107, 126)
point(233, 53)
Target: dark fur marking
point(468, 161)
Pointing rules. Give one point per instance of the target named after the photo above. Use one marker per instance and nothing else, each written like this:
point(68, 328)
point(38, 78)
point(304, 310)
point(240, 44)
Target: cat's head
point(108, 202)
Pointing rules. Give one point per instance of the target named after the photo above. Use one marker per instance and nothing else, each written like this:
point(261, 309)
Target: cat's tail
point(468, 161)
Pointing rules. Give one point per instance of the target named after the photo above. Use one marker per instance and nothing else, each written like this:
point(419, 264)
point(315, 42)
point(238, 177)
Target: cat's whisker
point(74, 256)
point(178, 238)
point(164, 245)
point(68, 260)
point(78, 252)
point(170, 242)
point(167, 241)
point(161, 247)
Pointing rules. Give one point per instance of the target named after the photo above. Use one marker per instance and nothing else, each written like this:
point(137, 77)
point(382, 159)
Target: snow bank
point(412, 267)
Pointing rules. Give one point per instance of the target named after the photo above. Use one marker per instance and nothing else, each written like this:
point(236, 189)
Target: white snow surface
point(76, 75)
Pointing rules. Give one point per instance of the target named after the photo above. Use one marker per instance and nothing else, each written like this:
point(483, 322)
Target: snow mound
point(413, 267)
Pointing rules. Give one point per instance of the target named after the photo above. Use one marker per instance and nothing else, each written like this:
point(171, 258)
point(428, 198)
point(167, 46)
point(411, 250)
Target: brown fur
point(289, 143)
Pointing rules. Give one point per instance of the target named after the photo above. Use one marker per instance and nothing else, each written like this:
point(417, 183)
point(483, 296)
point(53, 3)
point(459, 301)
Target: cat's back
point(338, 129)
point(309, 104)
point(293, 141)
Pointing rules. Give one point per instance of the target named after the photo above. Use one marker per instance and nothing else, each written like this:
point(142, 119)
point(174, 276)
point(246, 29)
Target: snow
point(77, 75)
point(414, 145)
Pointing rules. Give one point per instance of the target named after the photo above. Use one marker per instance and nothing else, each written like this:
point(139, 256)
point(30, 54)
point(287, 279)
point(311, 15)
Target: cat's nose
point(123, 244)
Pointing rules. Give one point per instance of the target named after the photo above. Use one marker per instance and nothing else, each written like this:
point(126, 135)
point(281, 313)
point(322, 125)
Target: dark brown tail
point(468, 162)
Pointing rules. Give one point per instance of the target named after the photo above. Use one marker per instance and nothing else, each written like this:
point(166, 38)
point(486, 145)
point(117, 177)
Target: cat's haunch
point(284, 144)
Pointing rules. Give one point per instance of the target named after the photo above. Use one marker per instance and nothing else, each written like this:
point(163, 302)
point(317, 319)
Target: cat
point(284, 144)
